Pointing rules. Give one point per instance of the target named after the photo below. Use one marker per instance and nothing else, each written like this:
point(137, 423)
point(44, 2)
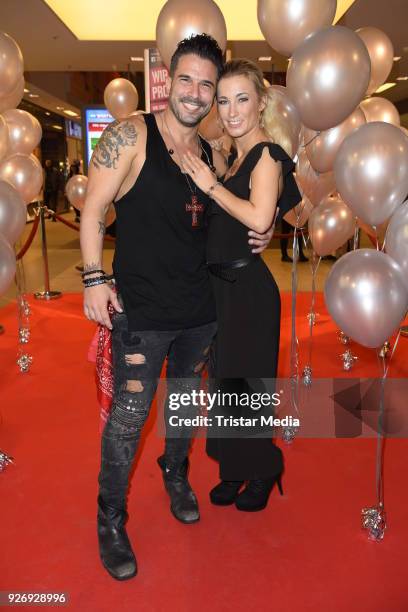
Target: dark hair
point(203, 45)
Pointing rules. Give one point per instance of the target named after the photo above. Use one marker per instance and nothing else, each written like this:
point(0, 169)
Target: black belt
point(225, 269)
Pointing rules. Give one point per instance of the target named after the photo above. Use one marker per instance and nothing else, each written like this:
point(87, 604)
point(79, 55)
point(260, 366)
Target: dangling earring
point(261, 121)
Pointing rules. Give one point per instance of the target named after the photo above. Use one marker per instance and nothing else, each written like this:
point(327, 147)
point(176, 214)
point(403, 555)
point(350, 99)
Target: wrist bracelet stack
point(91, 278)
point(211, 189)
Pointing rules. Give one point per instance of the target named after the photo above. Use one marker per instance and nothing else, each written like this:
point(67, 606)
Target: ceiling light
point(26, 90)
point(47, 113)
point(137, 59)
point(265, 58)
point(129, 20)
point(59, 108)
point(57, 127)
point(403, 78)
point(385, 87)
point(397, 58)
point(33, 95)
point(70, 113)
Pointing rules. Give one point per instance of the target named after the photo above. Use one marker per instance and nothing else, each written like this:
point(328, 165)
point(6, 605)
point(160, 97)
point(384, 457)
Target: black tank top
point(159, 263)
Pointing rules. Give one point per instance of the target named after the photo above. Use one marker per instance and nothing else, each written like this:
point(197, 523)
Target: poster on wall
point(95, 120)
point(156, 81)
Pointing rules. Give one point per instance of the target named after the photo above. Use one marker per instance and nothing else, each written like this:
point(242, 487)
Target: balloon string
point(314, 267)
point(304, 145)
point(356, 235)
point(294, 347)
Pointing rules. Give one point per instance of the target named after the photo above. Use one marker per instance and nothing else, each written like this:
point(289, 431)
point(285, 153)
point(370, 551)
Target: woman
point(255, 186)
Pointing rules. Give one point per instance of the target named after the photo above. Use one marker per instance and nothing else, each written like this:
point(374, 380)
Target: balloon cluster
point(21, 174)
point(352, 161)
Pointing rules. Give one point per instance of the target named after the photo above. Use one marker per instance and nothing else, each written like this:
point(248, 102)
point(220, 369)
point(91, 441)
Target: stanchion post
point(47, 294)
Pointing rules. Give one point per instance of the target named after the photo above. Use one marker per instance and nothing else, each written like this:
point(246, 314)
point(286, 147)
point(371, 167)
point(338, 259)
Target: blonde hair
point(275, 132)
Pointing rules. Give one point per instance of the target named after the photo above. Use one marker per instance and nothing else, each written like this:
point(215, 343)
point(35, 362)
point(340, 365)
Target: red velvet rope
point(29, 240)
point(75, 227)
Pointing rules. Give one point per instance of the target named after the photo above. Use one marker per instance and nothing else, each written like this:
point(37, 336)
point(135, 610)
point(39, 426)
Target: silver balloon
point(322, 148)
point(7, 265)
point(366, 295)
point(14, 98)
point(4, 138)
point(180, 19)
point(380, 109)
point(75, 190)
point(121, 98)
point(25, 173)
point(11, 64)
point(24, 129)
point(396, 238)
point(13, 212)
point(327, 76)
point(316, 186)
point(371, 171)
point(286, 23)
point(331, 223)
point(381, 54)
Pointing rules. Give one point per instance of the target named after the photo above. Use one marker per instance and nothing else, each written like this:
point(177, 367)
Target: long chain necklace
point(194, 207)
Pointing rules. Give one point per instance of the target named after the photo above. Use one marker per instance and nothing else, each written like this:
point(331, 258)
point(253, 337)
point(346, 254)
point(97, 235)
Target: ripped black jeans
point(137, 362)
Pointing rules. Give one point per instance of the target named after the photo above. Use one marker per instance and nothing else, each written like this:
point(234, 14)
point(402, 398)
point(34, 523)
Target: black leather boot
point(256, 494)
point(184, 504)
point(225, 493)
point(114, 547)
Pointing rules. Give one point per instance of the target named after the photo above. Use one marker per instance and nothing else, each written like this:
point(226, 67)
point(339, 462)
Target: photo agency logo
point(329, 408)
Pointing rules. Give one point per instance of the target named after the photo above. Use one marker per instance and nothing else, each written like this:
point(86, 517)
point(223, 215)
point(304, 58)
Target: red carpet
point(306, 551)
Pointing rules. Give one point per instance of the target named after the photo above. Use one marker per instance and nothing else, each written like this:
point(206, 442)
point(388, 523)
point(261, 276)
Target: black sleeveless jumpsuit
point(248, 317)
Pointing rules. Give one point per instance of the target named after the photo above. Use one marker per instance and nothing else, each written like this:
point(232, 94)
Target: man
point(166, 307)
point(51, 186)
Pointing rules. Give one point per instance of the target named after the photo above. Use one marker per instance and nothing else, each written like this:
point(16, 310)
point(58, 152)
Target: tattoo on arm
point(102, 228)
point(117, 136)
point(92, 266)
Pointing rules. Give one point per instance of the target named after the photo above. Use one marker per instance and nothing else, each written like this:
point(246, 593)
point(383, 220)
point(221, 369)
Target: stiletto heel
point(256, 494)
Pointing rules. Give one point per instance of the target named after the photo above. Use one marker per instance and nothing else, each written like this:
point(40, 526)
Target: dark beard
point(192, 123)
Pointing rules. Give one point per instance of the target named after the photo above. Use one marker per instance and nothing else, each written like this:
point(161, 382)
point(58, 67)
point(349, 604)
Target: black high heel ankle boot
point(256, 494)
point(183, 502)
point(225, 493)
point(114, 546)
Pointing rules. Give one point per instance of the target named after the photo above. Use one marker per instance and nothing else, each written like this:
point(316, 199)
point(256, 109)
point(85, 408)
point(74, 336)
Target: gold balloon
point(331, 223)
point(281, 120)
point(328, 76)
point(286, 23)
point(380, 109)
point(322, 147)
point(371, 171)
point(180, 19)
point(11, 64)
point(25, 173)
point(14, 98)
point(24, 129)
point(381, 54)
point(121, 98)
point(75, 190)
